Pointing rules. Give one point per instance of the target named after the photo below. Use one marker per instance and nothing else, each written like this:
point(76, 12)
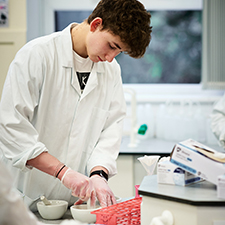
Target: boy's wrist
point(60, 170)
point(100, 173)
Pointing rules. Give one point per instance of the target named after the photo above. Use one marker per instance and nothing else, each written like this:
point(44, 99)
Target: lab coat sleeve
point(19, 138)
point(107, 148)
point(218, 120)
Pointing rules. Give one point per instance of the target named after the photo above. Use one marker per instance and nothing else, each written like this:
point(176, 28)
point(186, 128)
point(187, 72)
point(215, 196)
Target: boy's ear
point(95, 23)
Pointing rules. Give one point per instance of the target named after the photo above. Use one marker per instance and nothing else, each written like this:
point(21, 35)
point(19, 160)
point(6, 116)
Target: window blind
point(213, 40)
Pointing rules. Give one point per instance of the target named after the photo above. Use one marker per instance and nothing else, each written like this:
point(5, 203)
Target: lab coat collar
point(67, 53)
point(67, 47)
point(67, 50)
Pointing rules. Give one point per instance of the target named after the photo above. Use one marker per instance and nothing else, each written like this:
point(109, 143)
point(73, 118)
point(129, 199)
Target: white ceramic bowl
point(81, 213)
point(54, 211)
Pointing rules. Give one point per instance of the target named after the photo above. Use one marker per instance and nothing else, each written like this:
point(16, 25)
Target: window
point(213, 45)
point(64, 17)
point(174, 54)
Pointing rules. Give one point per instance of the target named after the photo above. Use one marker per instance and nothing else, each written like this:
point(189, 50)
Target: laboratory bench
point(196, 204)
point(130, 170)
point(131, 173)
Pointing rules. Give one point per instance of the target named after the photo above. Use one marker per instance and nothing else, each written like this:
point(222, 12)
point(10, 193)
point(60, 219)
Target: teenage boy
point(63, 105)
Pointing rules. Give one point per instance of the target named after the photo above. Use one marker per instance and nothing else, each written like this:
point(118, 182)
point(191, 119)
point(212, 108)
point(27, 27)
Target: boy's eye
point(111, 46)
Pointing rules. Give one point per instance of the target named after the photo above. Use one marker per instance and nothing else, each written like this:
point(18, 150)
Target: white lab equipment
point(132, 117)
point(149, 163)
point(165, 219)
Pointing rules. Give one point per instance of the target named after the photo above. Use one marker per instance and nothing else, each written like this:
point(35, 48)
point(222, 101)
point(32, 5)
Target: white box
point(199, 160)
point(221, 187)
point(169, 173)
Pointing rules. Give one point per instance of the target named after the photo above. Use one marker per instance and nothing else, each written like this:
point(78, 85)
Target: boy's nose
point(110, 56)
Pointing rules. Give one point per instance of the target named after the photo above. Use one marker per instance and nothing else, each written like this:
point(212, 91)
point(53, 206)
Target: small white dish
point(83, 214)
point(54, 211)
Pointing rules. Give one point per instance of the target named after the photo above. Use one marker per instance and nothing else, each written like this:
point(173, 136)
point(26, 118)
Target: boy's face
point(102, 45)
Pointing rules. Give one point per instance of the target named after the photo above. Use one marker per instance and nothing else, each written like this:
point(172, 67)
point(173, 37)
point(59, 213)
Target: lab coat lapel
point(67, 59)
point(93, 79)
point(75, 82)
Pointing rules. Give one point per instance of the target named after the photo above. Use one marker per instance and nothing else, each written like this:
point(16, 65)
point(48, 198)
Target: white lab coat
point(42, 109)
point(218, 121)
point(12, 209)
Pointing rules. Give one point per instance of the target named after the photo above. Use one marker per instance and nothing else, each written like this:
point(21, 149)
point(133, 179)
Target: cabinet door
point(122, 184)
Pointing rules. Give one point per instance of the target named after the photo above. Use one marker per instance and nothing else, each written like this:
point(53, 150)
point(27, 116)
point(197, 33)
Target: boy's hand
point(103, 191)
point(81, 186)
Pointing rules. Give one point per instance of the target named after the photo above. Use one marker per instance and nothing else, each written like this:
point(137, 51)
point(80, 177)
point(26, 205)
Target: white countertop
point(199, 194)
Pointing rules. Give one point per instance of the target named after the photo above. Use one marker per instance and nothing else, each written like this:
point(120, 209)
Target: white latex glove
point(80, 185)
point(103, 191)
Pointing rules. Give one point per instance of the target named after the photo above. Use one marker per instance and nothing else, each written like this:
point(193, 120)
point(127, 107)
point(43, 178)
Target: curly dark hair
point(129, 20)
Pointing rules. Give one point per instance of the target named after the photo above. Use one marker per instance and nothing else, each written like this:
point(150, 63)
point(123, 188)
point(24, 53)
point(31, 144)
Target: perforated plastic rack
point(123, 213)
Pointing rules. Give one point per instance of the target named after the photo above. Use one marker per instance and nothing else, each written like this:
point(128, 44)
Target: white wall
point(13, 37)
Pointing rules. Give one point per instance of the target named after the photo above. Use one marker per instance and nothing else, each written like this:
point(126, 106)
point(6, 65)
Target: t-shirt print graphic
point(83, 78)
